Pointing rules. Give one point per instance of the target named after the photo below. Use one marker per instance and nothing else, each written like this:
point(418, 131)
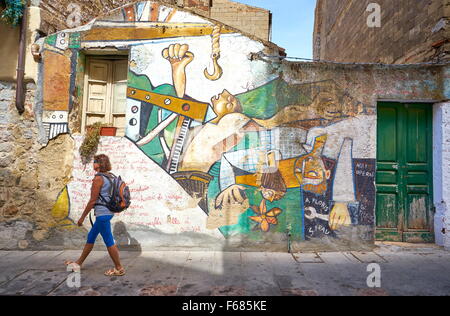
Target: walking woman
point(100, 194)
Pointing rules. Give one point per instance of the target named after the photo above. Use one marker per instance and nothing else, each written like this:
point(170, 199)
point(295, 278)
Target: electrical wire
point(263, 56)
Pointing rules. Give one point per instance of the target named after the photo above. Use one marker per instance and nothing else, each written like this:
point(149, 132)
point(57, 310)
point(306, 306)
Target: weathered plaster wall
point(442, 173)
point(8, 53)
point(369, 84)
point(10, 47)
point(446, 156)
point(446, 172)
point(236, 160)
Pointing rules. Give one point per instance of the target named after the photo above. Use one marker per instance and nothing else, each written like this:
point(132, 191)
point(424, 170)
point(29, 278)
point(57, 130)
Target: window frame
point(109, 95)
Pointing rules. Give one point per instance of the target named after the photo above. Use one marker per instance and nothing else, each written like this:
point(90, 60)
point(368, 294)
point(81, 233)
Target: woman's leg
point(115, 256)
point(92, 236)
point(86, 251)
point(105, 231)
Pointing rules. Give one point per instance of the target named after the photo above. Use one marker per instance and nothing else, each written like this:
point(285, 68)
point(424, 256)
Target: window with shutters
point(105, 93)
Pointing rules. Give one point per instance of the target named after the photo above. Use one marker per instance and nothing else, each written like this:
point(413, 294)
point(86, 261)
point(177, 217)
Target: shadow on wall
point(123, 238)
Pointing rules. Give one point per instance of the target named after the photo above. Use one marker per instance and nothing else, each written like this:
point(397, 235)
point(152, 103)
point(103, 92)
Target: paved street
point(405, 270)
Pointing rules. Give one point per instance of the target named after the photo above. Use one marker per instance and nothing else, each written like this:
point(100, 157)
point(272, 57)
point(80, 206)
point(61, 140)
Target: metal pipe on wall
point(20, 89)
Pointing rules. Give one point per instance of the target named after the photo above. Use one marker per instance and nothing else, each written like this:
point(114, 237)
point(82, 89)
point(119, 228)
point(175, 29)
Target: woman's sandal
point(75, 267)
point(115, 272)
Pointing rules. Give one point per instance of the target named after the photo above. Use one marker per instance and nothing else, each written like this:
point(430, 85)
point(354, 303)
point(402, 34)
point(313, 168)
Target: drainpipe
point(20, 89)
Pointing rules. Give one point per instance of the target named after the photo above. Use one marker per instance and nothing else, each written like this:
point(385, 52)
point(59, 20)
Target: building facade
point(47, 17)
point(408, 31)
point(223, 146)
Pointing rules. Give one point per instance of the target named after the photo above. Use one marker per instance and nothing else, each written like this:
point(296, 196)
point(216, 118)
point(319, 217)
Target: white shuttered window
point(105, 93)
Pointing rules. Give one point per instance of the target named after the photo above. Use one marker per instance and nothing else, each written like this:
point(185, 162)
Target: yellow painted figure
point(313, 176)
point(310, 169)
point(61, 209)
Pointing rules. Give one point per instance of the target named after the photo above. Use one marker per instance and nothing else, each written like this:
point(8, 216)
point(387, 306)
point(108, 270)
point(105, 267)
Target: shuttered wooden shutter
point(97, 92)
point(119, 100)
point(105, 99)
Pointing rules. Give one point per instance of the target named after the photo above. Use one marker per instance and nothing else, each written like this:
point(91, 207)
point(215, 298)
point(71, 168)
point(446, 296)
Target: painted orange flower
point(265, 218)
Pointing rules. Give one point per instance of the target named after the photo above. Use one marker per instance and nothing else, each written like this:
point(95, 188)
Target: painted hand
point(178, 56)
point(232, 195)
point(339, 216)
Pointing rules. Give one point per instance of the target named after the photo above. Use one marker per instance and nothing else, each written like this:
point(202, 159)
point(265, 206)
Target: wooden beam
point(154, 31)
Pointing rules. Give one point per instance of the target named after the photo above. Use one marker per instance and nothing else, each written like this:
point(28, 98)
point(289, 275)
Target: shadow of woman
point(124, 240)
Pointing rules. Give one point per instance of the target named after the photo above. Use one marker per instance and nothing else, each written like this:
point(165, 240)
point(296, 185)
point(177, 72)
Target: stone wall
point(411, 31)
point(19, 212)
point(29, 173)
point(18, 154)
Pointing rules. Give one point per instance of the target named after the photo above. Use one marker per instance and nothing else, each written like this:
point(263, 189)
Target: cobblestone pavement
point(405, 270)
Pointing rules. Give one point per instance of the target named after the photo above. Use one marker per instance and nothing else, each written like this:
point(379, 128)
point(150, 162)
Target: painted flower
point(265, 218)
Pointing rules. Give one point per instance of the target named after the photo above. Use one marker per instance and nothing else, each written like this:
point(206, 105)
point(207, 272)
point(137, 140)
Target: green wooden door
point(404, 173)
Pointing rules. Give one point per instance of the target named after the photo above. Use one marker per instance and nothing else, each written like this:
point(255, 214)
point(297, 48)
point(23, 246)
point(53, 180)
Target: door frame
point(411, 235)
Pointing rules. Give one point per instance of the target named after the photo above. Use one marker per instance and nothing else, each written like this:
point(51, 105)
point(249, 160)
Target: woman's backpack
point(120, 198)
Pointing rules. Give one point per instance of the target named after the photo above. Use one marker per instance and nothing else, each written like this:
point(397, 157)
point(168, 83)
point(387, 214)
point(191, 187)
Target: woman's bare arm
point(97, 184)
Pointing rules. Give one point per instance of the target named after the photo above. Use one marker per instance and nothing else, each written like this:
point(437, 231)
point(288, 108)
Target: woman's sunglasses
point(96, 161)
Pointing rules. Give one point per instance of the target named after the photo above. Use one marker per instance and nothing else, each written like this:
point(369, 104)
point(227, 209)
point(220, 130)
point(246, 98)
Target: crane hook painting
point(218, 71)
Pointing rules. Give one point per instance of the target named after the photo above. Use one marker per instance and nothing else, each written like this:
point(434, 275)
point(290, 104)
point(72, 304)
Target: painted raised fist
point(178, 55)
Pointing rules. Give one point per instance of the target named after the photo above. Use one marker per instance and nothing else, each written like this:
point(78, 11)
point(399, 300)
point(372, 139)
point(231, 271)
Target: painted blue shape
point(210, 114)
point(140, 9)
point(195, 124)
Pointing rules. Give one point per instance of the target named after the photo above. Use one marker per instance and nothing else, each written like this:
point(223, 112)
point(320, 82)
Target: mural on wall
point(216, 143)
point(165, 207)
point(244, 153)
